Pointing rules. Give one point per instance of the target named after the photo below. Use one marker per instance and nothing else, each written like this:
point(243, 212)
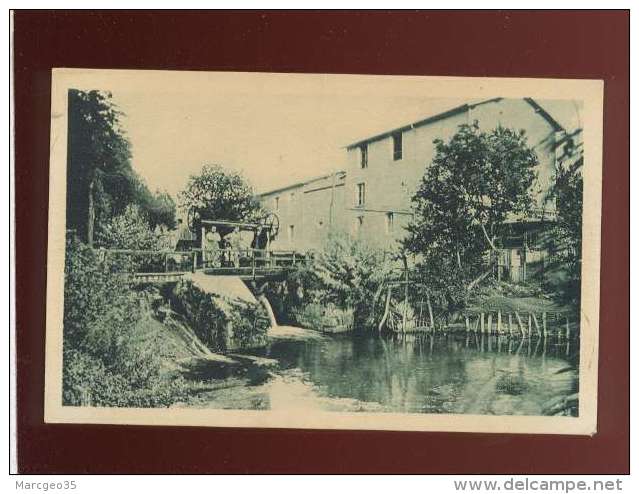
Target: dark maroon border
point(571, 44)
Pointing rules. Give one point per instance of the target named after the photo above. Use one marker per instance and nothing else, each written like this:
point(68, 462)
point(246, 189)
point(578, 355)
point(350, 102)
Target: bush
point(292, 295)
point(129, 230)
point(132, 230)
point(310, 315)
point(106, 360)
point(88, 382)
point(346, 274)
point(249, 324)
point(318, 316)
point(442, 283)
point(203, 315)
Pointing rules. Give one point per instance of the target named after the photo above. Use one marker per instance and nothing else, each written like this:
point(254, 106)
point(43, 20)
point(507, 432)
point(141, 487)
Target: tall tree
point(159, 207)
point(98, 158)
point(101, 182)
point(220, 194)
point(475, 182)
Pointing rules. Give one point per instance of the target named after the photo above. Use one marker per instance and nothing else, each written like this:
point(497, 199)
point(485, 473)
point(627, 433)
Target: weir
point(232, 287)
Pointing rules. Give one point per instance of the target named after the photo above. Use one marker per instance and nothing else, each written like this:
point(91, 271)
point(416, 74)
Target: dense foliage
point(159, 207)
point(474, 183)
point(107, 359)
point(129, 230)
point(100, 179)
point(349, 273)
point(566, 238)
point(220, 194)
point(441, 283)
point(344, 279)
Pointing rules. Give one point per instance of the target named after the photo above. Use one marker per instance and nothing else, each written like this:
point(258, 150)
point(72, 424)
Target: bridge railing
point(248, 259)
point(151, 261)
point(168, 261)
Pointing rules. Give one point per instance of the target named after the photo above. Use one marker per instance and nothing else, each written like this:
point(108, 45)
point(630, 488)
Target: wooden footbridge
point(159, 267)
point(216, 248)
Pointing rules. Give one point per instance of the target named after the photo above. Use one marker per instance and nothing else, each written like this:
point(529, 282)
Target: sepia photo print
point(324, 251)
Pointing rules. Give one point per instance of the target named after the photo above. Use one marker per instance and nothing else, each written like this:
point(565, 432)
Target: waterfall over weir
point(235, 287)
point(269, 310)
point(232, 287)
point(286, 332)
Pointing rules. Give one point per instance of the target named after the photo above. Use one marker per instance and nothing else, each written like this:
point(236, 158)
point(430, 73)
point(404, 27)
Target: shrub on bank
point(249, 323)
point(106, 359)
point(345, 275)
point(131, 230)
point(204, 316)
point(324, 317)
point(87, 381)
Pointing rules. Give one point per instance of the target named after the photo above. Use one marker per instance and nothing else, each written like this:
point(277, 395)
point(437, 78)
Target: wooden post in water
point(430, 312)
point(529, 325)
point(558, 324)
point(489, 329)
point(483, 328)
point(545, 324)
point(521, 325)
point(498, 322)
point(467, 323)
point(405, 261)
point(194, 265)
point(510, 324)
point(567, 328)
point(536, 324)
point(386, 310)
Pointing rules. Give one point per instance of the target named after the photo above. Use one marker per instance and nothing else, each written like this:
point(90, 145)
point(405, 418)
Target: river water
point(419, 374)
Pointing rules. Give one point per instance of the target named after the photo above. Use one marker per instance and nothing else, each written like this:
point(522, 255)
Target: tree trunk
point(490, 242)
point(472, 284)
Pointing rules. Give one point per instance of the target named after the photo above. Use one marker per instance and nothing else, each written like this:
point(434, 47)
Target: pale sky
point(275, 128)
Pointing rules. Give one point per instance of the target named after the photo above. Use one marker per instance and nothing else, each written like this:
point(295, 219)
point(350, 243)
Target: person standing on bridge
point(236, 246)
point(212, 248)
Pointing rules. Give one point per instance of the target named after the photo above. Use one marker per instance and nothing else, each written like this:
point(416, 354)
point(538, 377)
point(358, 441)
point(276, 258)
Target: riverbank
point(478, 374)
point(305, 370)
point(256, 382)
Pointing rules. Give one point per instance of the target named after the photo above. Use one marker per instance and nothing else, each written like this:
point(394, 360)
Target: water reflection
point(473, 374)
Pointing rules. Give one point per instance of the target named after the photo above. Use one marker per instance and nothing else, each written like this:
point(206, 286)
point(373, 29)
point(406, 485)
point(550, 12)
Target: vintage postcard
point(324, 251)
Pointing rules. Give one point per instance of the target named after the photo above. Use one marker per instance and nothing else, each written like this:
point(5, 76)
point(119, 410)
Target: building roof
point(539, 109)
point(424, 121)
point(295, 185)
point(450, 113)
